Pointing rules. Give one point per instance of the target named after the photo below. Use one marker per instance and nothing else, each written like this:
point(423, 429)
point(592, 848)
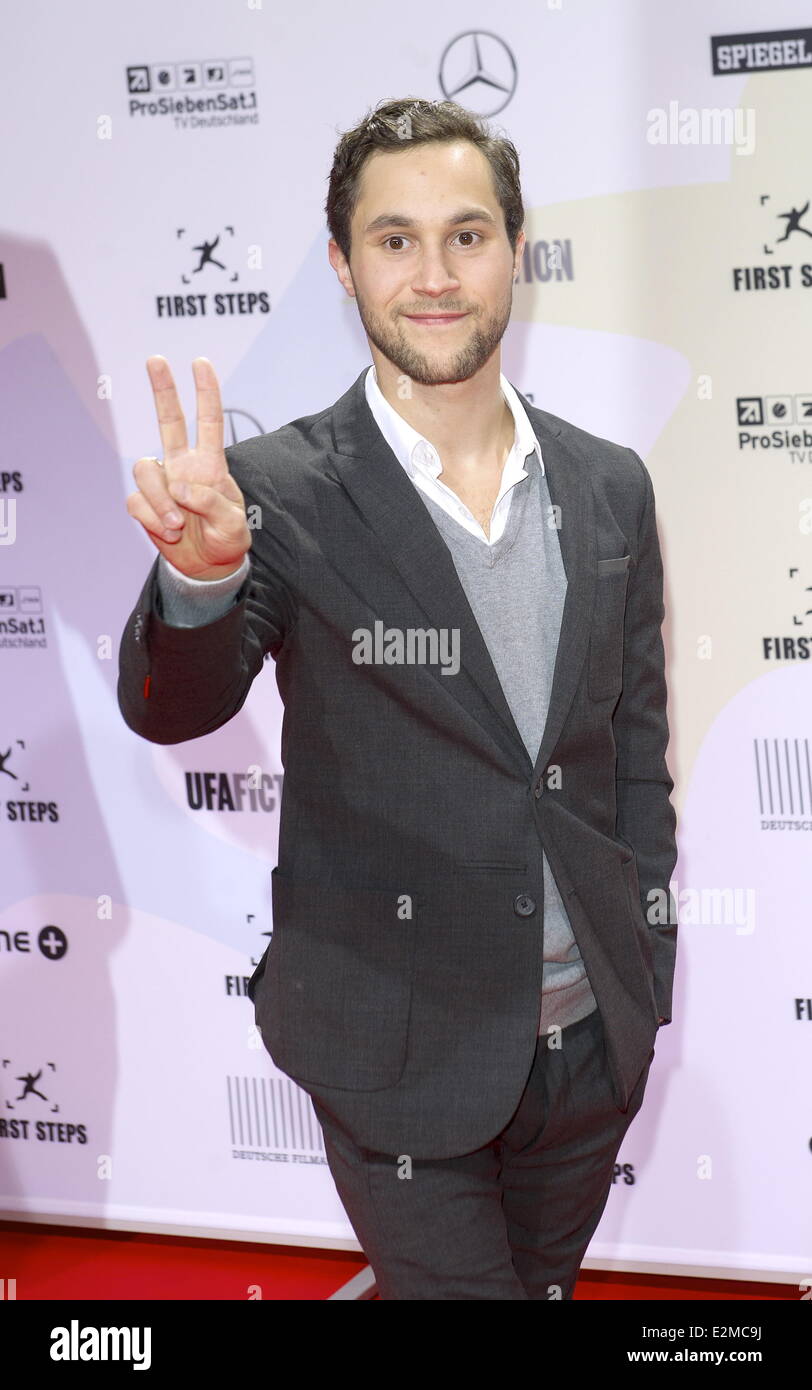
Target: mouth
point(435, 320)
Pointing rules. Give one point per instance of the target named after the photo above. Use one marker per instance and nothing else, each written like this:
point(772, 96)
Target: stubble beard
point(444, 366)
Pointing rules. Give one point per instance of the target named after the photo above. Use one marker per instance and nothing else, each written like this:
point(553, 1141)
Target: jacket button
point(524, 905)
point(539, 788)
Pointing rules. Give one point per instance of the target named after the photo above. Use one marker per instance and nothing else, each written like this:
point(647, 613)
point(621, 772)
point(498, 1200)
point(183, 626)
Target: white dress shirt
point(422, 462)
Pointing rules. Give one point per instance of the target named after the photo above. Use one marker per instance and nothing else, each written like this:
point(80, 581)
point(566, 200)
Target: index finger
point(167, 407)
point(209, 407)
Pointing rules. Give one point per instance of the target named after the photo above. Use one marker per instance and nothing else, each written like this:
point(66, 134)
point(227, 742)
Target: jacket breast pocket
point(334, 1006)
point(605, 675)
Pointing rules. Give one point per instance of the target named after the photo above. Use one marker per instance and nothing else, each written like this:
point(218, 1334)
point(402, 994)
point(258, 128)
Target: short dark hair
point(391, 125)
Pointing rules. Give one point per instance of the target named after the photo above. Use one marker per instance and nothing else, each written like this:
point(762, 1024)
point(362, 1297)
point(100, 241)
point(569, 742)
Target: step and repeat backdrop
point(163, 191)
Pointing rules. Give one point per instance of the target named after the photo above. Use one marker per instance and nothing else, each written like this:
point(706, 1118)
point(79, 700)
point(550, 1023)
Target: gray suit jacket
point(401, 985)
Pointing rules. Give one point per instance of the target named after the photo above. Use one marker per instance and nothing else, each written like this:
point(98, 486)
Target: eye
point(397, 236)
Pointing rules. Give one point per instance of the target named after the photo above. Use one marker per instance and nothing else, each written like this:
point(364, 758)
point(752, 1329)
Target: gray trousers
point(513, 1219)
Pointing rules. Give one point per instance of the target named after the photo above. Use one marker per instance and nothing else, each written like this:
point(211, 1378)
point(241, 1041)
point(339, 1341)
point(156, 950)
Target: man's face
point(410, 257)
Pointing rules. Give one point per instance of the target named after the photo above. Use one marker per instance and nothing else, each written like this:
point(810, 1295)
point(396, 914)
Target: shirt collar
point(414, 451)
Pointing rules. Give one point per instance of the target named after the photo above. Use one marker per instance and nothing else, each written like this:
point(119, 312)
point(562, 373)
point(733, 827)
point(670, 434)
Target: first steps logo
point(221, 261)
point(788, 217)
point(29, 1094)
point(208, 92)
point(797, 645)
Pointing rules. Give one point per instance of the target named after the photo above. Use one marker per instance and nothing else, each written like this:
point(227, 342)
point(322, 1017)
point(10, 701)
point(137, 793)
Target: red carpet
point(60, 1262)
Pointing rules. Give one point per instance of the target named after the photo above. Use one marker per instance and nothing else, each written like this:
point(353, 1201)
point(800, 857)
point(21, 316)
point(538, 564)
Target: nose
point(434, 275)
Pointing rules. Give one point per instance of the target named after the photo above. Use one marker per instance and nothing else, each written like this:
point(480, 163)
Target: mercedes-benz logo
point(478, 70)
point(234, 428)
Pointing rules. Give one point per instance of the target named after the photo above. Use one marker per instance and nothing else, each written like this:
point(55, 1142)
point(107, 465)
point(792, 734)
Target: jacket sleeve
point(177, 683)
point(645, 816)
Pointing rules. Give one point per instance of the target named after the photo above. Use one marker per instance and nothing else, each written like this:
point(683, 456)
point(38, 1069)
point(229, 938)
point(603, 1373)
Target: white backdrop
point(134, 1089)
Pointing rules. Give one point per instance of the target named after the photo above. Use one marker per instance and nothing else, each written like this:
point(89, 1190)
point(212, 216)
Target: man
point(463, 597)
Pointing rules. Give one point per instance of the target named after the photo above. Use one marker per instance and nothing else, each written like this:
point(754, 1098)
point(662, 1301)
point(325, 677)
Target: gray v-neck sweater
point(516, 589)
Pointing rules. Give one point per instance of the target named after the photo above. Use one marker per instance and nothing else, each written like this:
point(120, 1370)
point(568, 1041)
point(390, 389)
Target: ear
point(517, 255)
point(341, 266)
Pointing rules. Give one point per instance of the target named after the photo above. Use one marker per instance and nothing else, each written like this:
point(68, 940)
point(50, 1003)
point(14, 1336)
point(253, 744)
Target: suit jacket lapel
point(570, 488)
point(367, 467)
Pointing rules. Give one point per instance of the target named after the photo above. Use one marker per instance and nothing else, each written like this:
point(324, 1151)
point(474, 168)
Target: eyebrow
point(398, 219)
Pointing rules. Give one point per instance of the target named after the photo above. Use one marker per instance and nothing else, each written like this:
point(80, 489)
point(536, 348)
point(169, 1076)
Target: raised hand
point(189, 504)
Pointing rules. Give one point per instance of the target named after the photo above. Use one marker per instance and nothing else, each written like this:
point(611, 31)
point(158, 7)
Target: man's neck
point(469, 422)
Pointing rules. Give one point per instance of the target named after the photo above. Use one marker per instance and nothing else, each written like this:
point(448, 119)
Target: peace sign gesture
point(189, 504)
